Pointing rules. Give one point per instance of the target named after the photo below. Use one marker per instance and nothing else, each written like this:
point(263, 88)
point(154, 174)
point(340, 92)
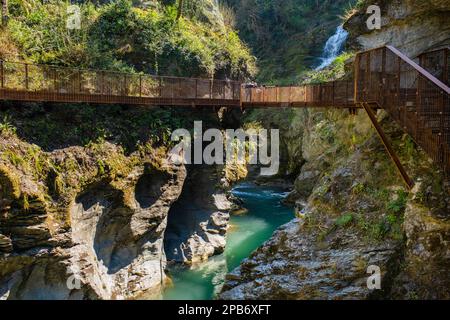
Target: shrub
point(344, 220)
point(398, 205)
point(6, 127)
point(118, 36)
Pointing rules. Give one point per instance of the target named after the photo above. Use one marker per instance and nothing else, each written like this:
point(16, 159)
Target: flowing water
point(248, 232)
point(333, 47)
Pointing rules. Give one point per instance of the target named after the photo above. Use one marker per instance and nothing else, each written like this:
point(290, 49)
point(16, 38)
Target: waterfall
point(333, 47)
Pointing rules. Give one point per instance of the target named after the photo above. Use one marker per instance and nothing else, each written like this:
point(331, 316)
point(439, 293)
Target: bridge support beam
point(370, 112)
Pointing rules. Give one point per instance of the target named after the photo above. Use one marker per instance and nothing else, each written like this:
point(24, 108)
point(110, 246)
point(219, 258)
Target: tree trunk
point(180, 9)
point(4, 12)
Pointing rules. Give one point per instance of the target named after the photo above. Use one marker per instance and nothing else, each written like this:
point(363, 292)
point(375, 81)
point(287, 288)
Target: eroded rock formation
point(353, 210)
point(198, 221)
point(99, 238)
point(96, 222)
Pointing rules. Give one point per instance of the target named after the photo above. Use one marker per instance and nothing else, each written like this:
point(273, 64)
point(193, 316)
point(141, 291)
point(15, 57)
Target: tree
point(180, 9)
point(4, 12)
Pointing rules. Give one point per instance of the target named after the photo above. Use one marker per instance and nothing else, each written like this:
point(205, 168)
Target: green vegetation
point(385, 222)
point(6, 127)
point(287, 36)
point(344, 220)
point(335, 71)
point(353, 8)
point(374, 227)
point(118, 36)
point(374, 207)
point(55, 127)
point(397, 205)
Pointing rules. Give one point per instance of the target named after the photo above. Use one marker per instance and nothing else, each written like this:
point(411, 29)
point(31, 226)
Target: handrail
point(421, 70)
point(23, 81)
point(337, 94)
point(412, 96)
point(446, 48)
point(114, 71)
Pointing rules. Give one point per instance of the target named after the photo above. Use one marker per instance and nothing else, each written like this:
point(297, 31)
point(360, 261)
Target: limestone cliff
point(79, 225)
point(85, 198)
point(198, 221)
point(412, 26)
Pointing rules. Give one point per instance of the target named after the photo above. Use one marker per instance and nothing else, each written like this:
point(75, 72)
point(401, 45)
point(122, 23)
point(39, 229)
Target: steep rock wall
point(353, 212)
point(97, 222)
point(101, 240)
point(198, 221)
point(412, 26)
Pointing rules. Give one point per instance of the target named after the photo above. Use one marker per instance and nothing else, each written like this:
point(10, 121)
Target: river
point(265, 214)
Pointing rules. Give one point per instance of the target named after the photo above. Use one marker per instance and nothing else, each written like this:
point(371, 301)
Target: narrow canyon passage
point(247, 232)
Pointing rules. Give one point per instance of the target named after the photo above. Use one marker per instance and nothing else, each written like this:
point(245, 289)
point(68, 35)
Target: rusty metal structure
point(415, 94)
point(437, 62)
point(336, 94)
point(31, 82)
point(419, 102)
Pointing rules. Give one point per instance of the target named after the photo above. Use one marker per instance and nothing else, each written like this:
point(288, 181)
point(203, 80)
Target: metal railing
point(336, 94)
point(437, 62)
point(33, 82)
point(413, 97)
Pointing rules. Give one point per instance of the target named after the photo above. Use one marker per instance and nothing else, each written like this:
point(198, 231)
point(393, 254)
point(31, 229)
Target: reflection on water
point(265, 215)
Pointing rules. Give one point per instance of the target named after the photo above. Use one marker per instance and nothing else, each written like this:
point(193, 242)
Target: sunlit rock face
point(412, 26)
point(292, 266)
point(350, 217)
point(119, 239)
point(100, 240)
point(427, 255)
point(93, 224)
point(198, 221)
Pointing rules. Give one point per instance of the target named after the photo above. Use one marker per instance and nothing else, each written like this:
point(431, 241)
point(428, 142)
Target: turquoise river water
point(248, 232)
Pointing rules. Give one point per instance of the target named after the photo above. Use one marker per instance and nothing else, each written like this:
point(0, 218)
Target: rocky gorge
point(89, 206)
point(353, 210)
point(352, 214)
point(96, 222)
point(90, 209)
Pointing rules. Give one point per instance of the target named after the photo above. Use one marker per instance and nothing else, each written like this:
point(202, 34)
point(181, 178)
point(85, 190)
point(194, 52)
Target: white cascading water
point(333, 47)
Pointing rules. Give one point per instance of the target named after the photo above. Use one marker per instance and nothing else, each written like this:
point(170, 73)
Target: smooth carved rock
point(120, 248)
point(111, 246)
point(198, 221)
